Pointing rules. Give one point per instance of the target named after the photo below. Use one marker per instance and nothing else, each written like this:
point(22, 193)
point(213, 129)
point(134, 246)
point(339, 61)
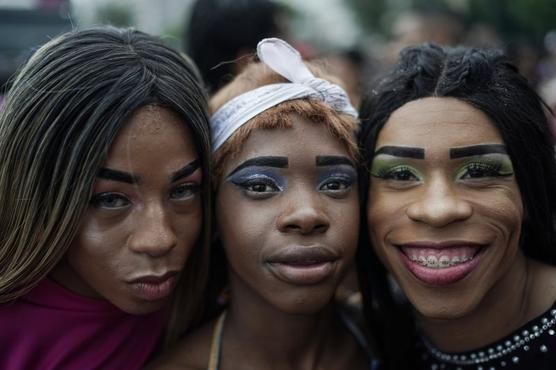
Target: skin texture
point(301, 215)
point(143, 228)
point(270, 319)
point(438, 201)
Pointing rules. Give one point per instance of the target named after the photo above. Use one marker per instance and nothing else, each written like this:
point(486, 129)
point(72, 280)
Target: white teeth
point(422, 260)
point(439, 263)
point(432, 261)
point(444, 261)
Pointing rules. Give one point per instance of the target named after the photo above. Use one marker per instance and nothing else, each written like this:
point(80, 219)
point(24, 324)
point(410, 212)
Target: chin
point(441, 309)
point(304, 303)
point(141, 308)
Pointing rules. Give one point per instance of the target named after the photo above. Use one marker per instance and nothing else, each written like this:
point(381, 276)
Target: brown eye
point(334, 185)
point(184, 191)
point(261, 187)
point(480, 170)
point(401, 174)
point(110, 201)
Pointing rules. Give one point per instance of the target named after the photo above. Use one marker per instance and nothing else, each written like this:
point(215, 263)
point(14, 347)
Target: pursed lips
point(303, 255)
point(152, 277)
point(303, 265)
point(154, 287)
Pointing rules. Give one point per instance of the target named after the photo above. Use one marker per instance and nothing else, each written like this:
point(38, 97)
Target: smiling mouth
point(440, 258)
point(441, 263)
point(303, 265)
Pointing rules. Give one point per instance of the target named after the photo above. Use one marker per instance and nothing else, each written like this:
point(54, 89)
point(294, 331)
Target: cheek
point(345, 223)
point(384, 213)
point(503, 210)
point(188, 227)
point(96, 255)
point(241, 227)
point(381, 211)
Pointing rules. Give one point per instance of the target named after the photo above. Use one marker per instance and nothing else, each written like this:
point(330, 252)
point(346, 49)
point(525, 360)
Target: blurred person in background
point(348, 65)
point(424, 25)
point(221, 35)
point(547, 65)
point(548, 92)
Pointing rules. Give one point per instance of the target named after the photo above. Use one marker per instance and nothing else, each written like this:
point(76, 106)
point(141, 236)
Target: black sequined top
point(531, 347)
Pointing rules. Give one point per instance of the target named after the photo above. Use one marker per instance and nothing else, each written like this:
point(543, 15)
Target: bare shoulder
point(190, 353)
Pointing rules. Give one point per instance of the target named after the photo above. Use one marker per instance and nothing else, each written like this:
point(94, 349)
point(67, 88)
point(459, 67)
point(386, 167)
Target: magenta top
point(54, 328)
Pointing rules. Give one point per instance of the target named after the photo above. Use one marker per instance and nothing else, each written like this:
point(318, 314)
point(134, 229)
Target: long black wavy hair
point(486, 80)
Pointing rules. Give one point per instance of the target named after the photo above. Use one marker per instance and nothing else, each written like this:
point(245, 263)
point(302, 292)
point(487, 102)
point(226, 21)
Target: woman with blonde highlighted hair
point(104, 141)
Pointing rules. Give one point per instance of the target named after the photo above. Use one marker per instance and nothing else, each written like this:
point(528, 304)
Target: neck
point(503, 309)
point(262, 334)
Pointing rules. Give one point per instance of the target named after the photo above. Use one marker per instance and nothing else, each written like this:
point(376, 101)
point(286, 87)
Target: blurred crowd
point(220, 36)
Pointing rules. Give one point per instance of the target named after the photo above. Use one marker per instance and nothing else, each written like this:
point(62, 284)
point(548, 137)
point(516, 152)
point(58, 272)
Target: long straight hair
point(58, 122)
point(487, 81)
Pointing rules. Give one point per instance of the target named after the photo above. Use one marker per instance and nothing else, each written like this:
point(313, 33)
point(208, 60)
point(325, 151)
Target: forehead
point(303, 139)
point(438, 123)
point(150, 131)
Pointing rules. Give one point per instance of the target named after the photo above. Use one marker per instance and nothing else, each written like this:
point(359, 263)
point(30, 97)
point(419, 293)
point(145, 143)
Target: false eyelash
point(384, 172)
point(490, 169)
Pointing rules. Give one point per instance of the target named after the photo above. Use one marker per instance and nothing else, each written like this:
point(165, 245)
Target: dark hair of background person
point(60, 117)
point(487, 81)
point(220, 31)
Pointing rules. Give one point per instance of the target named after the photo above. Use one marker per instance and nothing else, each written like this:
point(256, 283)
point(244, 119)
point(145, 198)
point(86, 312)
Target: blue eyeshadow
point(249, 174)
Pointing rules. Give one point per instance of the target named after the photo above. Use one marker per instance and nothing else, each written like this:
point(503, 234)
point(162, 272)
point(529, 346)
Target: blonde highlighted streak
point(255, 75)
point(55, 132)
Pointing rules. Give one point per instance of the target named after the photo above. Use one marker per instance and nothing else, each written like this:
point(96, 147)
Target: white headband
point(286, 61)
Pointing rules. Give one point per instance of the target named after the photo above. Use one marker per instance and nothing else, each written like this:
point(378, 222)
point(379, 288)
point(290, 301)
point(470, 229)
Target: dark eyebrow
point(402, 151)
point(187, 170)
point(469, 151)
point(115, 175)
point(333, 160)
point(280, 162)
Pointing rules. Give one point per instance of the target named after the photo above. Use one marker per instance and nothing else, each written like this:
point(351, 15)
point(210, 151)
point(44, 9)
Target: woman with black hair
point(460, 212)
point(104, 145)
point(222, 35)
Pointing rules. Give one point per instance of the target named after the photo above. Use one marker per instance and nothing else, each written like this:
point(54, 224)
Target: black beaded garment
point(531, 347)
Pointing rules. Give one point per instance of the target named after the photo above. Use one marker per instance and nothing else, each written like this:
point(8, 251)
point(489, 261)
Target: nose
point(153, 232)
point(439, 204)
point(304, 214)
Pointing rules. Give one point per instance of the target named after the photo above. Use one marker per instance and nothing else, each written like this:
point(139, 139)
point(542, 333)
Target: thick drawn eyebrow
point(333, 160)
point(121, 176)
point(402, 151)
point(116, 175)
point(185, 171)
point(263, 161)
point(469, 151)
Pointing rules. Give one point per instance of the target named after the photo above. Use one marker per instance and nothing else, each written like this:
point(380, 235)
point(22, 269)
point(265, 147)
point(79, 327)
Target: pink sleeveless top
point(54, 328)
